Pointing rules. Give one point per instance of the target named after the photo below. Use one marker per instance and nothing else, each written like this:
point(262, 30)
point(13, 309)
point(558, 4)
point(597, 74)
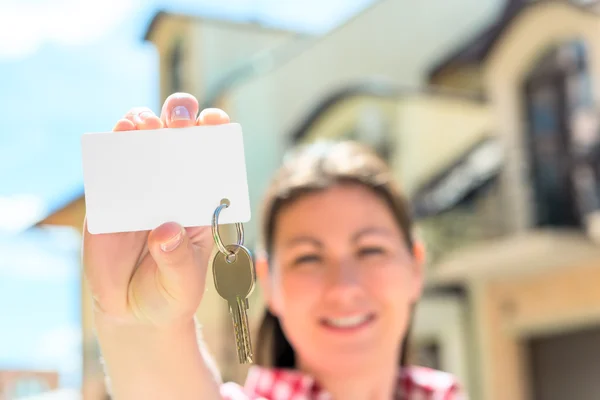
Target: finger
point(212, 116)
point(179, 110)
point(124, 125)
point(144, 118)
point(178, 261)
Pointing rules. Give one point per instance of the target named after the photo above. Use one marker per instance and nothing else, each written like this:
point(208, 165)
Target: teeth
point(347, 321)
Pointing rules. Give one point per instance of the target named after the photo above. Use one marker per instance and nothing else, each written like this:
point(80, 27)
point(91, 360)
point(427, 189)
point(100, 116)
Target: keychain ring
point(215, 231)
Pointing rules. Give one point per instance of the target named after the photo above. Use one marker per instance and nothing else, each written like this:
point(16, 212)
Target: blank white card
point(138, 180)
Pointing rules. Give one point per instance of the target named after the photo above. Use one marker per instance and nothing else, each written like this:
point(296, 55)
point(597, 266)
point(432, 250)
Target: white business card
point(138, 180)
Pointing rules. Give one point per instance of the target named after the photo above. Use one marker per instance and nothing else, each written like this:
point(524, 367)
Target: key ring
point(229, 255)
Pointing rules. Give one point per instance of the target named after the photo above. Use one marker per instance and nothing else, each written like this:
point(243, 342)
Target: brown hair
point(311, 168)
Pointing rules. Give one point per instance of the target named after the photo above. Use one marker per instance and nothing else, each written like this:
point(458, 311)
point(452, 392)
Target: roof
point(477, 49)
point(372, 87)
point(184, 15)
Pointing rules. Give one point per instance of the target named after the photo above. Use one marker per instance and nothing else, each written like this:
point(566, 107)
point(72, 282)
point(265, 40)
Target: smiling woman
point(342, 276)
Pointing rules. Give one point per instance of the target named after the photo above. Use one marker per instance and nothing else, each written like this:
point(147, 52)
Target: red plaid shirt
point(414, 383)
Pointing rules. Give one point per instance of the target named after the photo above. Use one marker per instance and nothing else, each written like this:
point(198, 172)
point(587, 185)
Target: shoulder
point(266, 383)
point(425, 382)
point(233, 391)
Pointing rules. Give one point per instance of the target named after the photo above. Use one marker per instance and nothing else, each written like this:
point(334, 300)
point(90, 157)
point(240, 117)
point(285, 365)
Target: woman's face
point(343, 280)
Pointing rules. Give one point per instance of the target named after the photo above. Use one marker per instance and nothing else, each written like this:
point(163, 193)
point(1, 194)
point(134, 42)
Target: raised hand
point(152, 277)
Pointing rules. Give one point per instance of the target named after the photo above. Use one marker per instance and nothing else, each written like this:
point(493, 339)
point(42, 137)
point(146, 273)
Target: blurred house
point(496, 145)
point(21, 383)
point(529, 291)
point(500, 160)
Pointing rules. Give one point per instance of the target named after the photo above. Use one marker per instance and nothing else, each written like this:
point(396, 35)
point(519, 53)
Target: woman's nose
point(344, 280)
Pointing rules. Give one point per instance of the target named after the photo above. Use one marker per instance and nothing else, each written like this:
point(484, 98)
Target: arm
point(145, 283)
point(162, 363)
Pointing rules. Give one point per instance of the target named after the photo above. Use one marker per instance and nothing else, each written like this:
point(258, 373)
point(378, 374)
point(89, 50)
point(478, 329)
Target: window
point(558, 88)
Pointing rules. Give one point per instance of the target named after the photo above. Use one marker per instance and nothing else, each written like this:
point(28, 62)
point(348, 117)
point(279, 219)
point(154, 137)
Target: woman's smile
point(348, 324)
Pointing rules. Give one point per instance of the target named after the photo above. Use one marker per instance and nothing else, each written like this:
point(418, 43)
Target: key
point(234, 277)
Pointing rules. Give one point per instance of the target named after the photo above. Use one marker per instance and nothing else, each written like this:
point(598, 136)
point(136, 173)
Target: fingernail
point(210, 111)
point(172, 243)
point(180, 113)
point(141, 117)
point(145, 115)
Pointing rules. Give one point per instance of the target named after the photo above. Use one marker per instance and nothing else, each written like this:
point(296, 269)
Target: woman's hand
point(148, 285)
point(152, 277)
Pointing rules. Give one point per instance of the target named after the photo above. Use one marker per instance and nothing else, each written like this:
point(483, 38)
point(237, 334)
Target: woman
point(341, 275)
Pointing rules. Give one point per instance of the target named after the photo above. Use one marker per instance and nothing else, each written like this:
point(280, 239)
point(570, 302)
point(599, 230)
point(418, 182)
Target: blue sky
point(69, 67)
point(39, 302)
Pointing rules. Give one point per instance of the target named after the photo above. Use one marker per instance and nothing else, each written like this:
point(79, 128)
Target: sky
point(68, 67)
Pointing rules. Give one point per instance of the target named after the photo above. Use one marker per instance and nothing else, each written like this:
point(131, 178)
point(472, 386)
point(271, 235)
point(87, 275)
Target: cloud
point(25, 25)
point(60, 350)
point(50, 254)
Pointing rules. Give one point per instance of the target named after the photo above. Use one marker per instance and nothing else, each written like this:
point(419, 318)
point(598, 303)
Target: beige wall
point(520, 287)
point(535, 30)
point(211, 47)
point(463, 77)
point(346, 115)
point(222, 47)
point(433, 131)
point(163, 38)
point(443, 318)
point(430, 130)
point(513, 309)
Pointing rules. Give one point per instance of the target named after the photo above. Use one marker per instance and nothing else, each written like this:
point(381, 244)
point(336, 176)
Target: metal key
point(234, 277)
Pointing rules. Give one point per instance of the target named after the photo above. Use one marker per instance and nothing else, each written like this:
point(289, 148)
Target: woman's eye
point(307, 259)
point(370, 251)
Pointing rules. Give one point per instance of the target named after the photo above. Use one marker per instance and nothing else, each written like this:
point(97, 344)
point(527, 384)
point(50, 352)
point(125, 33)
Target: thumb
point(179, 262)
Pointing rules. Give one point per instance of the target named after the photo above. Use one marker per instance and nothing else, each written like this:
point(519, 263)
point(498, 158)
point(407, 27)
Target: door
point(566, 366)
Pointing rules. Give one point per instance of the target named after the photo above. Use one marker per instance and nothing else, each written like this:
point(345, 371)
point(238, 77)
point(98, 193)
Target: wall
point(433, 131)
point(441, 127)
point(211, 48)
point(163, 37)
point(220, 48)
point(463, 77)
point(443, 319)
point(516, 309)
point(346, 116)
